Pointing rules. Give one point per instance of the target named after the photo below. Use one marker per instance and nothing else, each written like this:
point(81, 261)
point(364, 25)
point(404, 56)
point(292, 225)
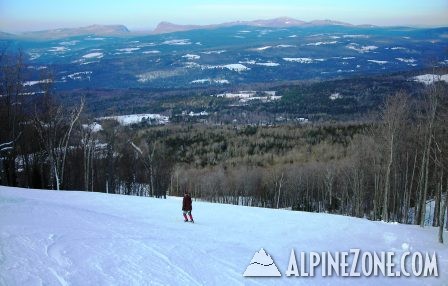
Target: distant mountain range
point(97, 30)
point(223, 56)
point(167, 27)
point(4, 35)
point(282, 22)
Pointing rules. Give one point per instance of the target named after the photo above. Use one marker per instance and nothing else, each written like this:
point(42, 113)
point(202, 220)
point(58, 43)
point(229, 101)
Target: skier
point(187, 207)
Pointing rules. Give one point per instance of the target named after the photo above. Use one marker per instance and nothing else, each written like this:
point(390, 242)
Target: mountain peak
point(277, 22)
point(328, 22)
point(107, 28)
point(168, 27)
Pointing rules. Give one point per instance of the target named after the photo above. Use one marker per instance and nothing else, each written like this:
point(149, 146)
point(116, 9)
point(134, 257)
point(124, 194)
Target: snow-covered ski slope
point(80, 238)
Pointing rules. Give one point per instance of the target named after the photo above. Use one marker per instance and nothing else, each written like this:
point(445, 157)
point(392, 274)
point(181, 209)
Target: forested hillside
point(383, 159)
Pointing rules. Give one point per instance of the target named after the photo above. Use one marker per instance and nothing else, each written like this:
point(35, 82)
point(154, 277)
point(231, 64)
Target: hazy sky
point(26, 15)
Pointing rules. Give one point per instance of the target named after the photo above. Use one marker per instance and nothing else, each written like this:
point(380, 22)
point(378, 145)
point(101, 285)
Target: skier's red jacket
point(186, 203)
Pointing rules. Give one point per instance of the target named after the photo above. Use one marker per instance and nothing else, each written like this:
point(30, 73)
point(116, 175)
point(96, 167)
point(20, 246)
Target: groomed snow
point(82, 238)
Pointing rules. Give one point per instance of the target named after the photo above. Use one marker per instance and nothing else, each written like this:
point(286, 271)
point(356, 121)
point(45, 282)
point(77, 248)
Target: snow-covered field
point(84, 75)
point(217, 52)
point(232, 67)
point(94, 55)
point(177, 42)
point(151, 52)
point(378, 62)
point(137, 118)
point(430, 78)
point(80, 238)
point(58, 49)
point(303, 60)
point(322, 43)
point(335, 96)
point(69, 43)
point(361, 49)
point(210, 81)
point(128, 50)
point(246, 96)
point(405, 60)
point(191, 57)
point(356, 36)
point(262, 48)
point(268, 64)
point(285, 46)
point(34, 82)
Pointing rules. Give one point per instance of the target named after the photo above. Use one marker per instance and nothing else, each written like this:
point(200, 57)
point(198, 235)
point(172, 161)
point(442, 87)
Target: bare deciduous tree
point(54, 125)
point(394, 117)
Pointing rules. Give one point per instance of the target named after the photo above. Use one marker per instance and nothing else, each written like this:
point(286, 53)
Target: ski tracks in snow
point(55, 252)
point(186, 278)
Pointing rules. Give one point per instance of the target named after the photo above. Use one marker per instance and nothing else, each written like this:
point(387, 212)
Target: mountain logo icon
point(262, 265)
